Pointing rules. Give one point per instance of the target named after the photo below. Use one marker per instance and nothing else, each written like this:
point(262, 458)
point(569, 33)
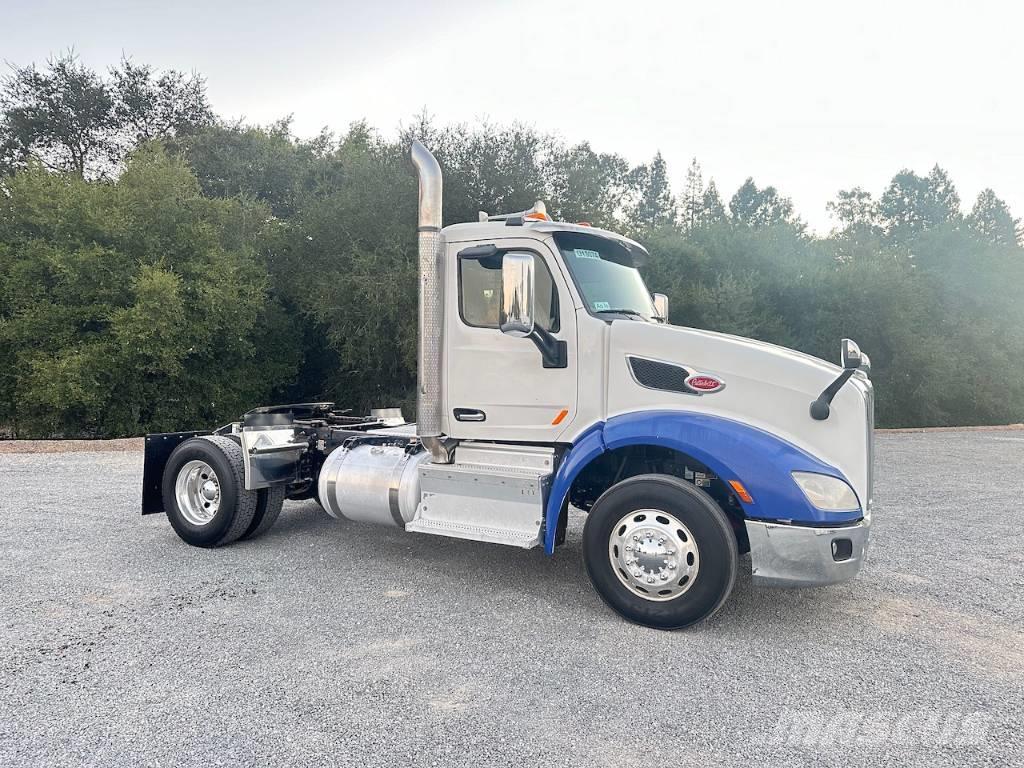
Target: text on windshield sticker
point(585, 253)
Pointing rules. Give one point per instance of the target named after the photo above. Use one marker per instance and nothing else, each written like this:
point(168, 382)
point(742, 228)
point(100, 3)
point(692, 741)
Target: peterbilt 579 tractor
point(549, 376)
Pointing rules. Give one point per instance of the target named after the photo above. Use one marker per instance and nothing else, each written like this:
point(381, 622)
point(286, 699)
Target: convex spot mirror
point(851, 354)
point(517, 294)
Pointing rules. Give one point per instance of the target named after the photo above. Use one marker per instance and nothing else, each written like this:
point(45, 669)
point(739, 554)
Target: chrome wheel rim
point(197, 492)
point(653, 554)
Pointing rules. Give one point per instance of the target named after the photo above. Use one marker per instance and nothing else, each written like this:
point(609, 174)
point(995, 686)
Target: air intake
point(654, 374)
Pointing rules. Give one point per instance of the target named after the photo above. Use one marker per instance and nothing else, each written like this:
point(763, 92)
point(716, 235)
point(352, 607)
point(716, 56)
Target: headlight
point(829, 494)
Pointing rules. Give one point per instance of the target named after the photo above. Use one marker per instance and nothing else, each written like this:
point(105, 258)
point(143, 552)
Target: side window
point(480, 293)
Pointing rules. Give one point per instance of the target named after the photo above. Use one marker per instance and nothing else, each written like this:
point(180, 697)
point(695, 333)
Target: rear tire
point(204, 492)
point(660, 552)
point(268, 506)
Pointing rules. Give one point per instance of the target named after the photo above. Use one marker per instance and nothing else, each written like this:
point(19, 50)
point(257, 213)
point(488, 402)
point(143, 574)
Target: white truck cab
point(548, 376)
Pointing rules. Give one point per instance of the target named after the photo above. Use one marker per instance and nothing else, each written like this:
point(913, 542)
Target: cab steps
point(493, 493)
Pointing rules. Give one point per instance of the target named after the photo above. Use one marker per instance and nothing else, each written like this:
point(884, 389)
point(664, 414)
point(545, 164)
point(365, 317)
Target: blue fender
point(732, 450)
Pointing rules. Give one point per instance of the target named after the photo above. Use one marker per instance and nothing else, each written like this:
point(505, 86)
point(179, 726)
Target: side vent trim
point(654, 374)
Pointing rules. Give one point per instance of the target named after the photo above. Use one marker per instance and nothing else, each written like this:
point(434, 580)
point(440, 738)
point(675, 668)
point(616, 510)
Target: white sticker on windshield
point(602, 305)
point(585, 253)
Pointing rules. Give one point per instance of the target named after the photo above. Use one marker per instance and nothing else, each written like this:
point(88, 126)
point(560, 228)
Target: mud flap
point(158, 450)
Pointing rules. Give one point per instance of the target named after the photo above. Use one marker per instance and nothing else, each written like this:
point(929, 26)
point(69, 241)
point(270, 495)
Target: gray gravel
point(336, 644)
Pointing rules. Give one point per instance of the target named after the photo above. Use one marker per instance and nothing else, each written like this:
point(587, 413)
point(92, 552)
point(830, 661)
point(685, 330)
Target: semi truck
point(548, 377)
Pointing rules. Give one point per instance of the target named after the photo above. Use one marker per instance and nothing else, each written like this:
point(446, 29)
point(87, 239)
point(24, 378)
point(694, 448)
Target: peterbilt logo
point(704, 383)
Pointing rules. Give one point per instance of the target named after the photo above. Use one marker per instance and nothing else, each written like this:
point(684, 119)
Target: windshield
point(605, 275)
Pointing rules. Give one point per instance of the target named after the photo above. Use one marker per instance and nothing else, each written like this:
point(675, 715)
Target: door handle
point(469, 414)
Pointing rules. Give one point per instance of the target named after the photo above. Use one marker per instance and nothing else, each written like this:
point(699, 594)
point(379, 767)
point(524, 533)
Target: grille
point(656, 375)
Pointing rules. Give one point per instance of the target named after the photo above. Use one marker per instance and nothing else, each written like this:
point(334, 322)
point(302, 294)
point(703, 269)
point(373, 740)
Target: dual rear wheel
point(205, 496)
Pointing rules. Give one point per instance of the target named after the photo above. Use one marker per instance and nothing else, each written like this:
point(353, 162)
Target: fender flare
point(731, 449)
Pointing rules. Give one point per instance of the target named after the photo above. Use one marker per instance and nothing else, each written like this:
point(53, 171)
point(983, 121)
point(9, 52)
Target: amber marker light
point(561, 415)
point(741, 491)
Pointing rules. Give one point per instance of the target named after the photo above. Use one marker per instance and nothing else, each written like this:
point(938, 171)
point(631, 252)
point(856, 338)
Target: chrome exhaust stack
point(429, 406)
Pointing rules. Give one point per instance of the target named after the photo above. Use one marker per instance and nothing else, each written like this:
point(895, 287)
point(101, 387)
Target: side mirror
point(661, 306)
point(851, 355)
point(517, 291)
point(853, 360)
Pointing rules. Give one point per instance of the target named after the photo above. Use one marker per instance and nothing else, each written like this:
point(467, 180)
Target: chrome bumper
point(797, 556)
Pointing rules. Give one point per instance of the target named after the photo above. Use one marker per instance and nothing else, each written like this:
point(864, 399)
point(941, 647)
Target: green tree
point(585, 185)
point(132, 306)
point(69, 118)
point(758, 208)
point(943, 194)
point(913, 204)
point(855, 209)
point(692, 208)
point(712, 210)
point(655, 206)
point(347, 264)
point(491, 169)
point(63, 117)
point(991, 219)
point(157, 105)
point(266, 163)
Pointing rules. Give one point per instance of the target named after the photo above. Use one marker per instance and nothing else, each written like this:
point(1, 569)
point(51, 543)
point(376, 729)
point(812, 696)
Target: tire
point(268, 506)
point(205, 475)
point(668, 527)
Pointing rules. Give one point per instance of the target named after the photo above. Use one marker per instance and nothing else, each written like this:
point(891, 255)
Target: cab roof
point(496, 230)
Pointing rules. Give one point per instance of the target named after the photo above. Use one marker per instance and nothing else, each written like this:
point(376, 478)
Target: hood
point(765, 385)
point(734, 358)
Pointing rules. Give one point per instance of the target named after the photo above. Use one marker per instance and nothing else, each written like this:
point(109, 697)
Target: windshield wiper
point(627, 312)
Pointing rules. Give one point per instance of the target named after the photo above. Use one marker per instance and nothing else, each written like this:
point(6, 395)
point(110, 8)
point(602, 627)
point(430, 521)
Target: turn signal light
point(561, 415)
point(741, 491)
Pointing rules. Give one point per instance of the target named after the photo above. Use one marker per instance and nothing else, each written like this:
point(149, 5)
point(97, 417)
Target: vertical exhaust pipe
point(429, 407)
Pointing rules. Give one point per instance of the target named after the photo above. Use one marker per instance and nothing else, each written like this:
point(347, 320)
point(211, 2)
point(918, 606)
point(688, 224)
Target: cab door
point(497, 387)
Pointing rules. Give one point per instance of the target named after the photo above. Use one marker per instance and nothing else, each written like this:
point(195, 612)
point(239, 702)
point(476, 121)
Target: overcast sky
point(808, 96)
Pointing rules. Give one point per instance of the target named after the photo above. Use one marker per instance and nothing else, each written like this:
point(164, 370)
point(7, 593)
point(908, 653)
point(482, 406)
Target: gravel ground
point(335, 644)
point(71, 446)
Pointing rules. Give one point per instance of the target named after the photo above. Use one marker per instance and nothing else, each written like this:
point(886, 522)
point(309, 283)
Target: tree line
point(162, 268)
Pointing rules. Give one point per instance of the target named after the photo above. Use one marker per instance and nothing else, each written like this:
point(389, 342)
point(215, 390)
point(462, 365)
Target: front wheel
point(660, 552)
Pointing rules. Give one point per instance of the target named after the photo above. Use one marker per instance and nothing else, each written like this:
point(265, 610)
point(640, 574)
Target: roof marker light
point(539, 212)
